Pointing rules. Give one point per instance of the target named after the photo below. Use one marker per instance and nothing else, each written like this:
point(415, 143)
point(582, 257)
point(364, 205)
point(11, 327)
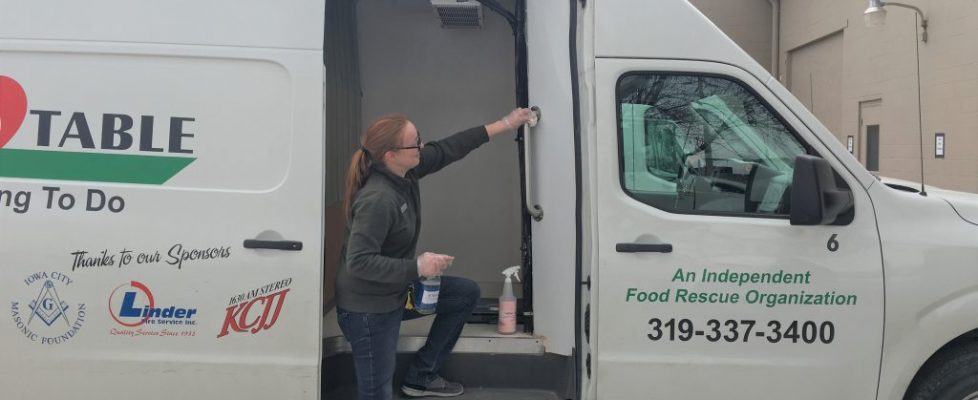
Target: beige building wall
point(815, 77)
point(747, 22)
point(852, 76)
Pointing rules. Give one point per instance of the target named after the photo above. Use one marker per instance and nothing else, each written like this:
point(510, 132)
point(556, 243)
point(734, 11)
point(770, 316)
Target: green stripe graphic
point(94, 167)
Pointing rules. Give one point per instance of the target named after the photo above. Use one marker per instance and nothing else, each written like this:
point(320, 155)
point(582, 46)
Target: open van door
point(705, 289)
point(161, 181)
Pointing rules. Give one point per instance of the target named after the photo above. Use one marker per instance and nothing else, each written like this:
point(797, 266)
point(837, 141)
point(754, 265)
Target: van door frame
point(578, 211)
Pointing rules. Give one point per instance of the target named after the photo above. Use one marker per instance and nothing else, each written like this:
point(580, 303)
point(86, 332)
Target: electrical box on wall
point(939, 145)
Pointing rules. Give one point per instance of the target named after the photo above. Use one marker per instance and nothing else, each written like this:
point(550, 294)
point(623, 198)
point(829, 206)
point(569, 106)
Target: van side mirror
point(815, 197)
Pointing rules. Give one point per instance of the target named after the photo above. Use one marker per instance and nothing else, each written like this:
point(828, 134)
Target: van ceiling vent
point(458, 14)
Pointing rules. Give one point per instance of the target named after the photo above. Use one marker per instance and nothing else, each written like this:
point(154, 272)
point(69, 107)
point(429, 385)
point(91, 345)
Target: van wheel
point(951, 375)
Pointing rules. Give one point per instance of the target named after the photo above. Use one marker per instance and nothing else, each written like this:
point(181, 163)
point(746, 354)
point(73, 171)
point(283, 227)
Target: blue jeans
point(373, 338)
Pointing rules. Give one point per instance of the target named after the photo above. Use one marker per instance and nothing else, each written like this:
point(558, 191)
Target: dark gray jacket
point(378, 259)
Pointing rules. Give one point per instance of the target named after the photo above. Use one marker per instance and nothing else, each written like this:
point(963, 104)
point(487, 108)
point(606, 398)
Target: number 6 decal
point(832, 245)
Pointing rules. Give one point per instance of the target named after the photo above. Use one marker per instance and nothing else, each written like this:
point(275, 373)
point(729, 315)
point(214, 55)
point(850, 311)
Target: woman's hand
point(518, 117)
point(511, 121)
point(431, 264)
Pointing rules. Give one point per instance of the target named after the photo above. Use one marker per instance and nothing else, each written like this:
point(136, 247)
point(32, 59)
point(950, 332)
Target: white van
point(170, 177)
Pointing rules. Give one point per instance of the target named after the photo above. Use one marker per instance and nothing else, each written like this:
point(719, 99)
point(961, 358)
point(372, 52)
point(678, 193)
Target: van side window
point(703, 144)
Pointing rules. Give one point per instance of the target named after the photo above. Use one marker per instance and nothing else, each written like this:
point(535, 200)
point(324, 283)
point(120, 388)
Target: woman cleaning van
point(378, 262)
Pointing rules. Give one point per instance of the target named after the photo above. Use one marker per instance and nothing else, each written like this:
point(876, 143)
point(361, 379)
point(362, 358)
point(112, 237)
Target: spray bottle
point(507, 302)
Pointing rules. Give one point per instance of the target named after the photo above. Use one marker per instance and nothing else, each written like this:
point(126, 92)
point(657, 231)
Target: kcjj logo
point(255, 310)
point(48, 319)
point(133, 306)
point(110, 147)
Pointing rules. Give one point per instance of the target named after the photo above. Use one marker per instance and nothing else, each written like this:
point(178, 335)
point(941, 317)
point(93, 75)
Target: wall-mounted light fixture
point(875, 15)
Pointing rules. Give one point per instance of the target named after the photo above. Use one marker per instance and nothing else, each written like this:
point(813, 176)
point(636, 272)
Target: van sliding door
point(166, 164)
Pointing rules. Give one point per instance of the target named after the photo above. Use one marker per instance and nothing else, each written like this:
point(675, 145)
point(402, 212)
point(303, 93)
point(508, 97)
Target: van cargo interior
point(446, 69)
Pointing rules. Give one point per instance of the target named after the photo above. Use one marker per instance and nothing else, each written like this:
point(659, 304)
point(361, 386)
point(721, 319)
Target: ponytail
point(356, 175)
point(382, 135)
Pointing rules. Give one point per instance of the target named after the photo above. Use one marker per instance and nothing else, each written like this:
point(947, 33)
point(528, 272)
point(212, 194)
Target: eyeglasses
point(418, 146)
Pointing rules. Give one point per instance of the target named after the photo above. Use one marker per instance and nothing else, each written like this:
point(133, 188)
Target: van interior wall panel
point(342, 85)
point(447, 80)
point(342, 124)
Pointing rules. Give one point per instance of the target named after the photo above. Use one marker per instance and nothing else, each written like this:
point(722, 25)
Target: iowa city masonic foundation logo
point(43, 314)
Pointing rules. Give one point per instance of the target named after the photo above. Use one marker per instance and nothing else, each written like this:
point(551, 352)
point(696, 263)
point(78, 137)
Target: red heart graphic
point(13, 108)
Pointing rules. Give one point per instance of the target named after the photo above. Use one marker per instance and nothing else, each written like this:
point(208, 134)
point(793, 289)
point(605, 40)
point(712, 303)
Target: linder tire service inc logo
point(68, 131)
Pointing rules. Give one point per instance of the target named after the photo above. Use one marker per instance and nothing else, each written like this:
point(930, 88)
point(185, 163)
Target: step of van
point(350, 393)
point(475, 338)
point(485, 376)
point(490, 365)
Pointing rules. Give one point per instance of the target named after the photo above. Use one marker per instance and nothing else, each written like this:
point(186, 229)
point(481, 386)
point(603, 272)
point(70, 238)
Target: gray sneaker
point(438, 387)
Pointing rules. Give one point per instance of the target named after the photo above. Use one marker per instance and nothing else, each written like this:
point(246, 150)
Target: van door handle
point(643, 248)
point(534, 210)
point(273, 244)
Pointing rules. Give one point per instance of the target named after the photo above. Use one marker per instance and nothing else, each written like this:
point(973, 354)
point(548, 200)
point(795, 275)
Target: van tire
point(950, 375)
